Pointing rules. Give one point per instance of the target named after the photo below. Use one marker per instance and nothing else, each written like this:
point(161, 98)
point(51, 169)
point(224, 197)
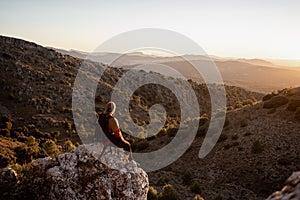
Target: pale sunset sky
point(249, 29)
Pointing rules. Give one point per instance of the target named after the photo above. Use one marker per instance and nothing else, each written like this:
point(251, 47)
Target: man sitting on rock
point(111, 128)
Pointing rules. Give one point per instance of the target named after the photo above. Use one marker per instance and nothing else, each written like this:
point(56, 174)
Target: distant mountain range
point(253, 74)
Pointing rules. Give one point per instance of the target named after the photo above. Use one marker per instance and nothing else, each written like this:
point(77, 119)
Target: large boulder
point(276, 102)
point(8, 181)
point(83, 174)
point(291, 191)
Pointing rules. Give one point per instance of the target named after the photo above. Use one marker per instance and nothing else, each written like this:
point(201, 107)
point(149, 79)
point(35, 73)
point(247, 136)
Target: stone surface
point(8, 180)
point(81, 174)
point(291, 191)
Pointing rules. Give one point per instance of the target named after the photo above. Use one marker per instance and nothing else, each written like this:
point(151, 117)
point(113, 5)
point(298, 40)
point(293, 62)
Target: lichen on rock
point(81, 174)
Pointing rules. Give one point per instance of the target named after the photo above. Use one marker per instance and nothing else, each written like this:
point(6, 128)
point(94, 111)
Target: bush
point(234, 137)
point(5, 122)
point(68, 146)
point(244, 123)
point(162, 181)
point(22, 138)
point(195, 188)
point(23, 154)
point(31, 141)
point(68, 125)
point(51, 148)
point(5, 132)
point(257, 147)
point(168, 193)
point(6, 159)
point(228, 146)
point(55, 134)
point(20, 169)
point(38, 134)
point(198, 197)
point(152, 193)
point(15, 134)
point(187, 178)
point(222, 137)
point(8, 125)
point(268, 97)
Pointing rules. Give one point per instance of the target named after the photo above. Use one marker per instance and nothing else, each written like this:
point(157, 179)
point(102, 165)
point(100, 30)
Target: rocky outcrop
point(8, 180)
point(81, 174)
point(291, 191)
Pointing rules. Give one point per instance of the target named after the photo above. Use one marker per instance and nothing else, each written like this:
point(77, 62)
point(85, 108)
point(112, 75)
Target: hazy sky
point(264, 29)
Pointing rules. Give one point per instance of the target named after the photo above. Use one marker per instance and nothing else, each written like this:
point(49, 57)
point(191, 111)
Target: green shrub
point(223, 137)
point(268, 97)
point(5, 132)
point(228, 146)
point(195, 188)
point(5, 122)
point(238, 104)
point(187, 178)
point(22, 138)
point(6, 159)
point(162, 181)
point(55, 134)
point(8, 125)
point(152, 193)
point(168, 193)
point(38, 134)
point(234, 137)
point(15, 134)
point(23, 154)
point(244, 123)
point(68, 125)
point(50, 147)
point(31, 141)
point(257, 147)
point(198, 197)
point(68, 146)
point(20, 169)
point(229, 108)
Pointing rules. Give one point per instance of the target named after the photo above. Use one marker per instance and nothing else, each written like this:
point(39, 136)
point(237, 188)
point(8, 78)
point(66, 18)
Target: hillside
point(257, 151)
point(36, 88)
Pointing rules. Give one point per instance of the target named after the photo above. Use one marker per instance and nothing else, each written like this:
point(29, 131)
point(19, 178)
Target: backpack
point(103, 121)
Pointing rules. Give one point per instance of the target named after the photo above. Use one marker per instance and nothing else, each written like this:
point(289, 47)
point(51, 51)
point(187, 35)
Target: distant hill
point(252, 74)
